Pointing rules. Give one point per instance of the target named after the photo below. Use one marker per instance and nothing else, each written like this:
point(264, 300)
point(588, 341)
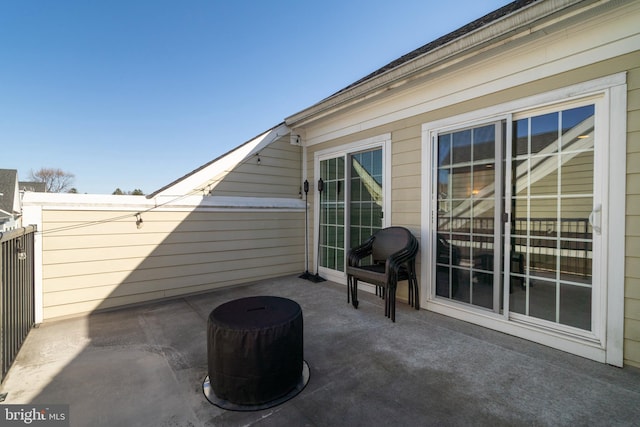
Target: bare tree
point(56, 180)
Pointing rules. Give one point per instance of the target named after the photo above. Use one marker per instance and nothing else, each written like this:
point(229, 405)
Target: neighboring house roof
point(9, 196)
point(36, 187)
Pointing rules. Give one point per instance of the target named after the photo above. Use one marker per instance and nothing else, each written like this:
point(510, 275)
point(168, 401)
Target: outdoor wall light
point(258, 154)
point(138, 221)
point(22, 254)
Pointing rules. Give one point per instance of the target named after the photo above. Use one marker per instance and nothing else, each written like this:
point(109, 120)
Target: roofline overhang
point(520, 23)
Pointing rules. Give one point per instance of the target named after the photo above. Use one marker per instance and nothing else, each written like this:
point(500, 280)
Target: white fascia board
point(194, 182)
point(493, 76)
point(69, 200)
point(227, 202)
point(61, 201)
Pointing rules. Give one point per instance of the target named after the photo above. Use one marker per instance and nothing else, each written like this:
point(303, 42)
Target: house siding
point(111, 262)
point(578, 40)
point(632, 271)
point(278, 174)
point(406, 169)
point(96, 258)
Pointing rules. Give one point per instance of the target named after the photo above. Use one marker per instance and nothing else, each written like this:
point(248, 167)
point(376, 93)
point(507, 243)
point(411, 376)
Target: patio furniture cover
point(255, 349)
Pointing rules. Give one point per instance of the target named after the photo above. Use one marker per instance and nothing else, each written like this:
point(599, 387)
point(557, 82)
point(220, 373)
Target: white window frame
point(380, 141)
point(609, 96)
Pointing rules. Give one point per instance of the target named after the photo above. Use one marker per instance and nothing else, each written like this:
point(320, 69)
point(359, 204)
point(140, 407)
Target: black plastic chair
point(393, 253)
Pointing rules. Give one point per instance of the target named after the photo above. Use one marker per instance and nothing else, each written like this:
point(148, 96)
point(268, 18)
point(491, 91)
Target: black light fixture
point(22, 254)
point(306, 275)
point(316, 278)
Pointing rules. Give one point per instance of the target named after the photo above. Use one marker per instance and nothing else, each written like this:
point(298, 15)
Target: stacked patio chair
point(392, 253)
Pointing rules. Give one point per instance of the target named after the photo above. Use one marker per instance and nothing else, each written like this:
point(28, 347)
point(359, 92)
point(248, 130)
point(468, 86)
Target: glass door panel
point(544, 177)
point(552, 240)
point(365, 200)
point(332, 229)
point(363, 172)
point(466, 206)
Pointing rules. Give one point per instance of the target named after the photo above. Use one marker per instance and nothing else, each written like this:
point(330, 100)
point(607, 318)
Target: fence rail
point(16, 293)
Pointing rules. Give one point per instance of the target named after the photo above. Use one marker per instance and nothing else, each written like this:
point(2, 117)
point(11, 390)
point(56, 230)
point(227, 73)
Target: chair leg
point(416, 298)
point(386, 301)
point(392, 304)
point(354, 292)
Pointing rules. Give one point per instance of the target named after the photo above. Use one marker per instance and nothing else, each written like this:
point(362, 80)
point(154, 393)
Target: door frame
point(605, 343)
point(382, 141)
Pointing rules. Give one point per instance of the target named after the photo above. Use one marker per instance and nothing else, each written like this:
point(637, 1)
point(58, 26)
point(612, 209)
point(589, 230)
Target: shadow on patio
point(144, 365)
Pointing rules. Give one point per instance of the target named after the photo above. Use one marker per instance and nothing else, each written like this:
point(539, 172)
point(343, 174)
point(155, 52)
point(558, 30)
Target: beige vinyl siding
point(112, 262)
point(632, 270)
point(406, 170)
point(406, 178)
point(278, 174)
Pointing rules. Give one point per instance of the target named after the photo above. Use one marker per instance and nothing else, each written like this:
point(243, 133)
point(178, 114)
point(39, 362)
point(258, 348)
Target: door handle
point(595, 218)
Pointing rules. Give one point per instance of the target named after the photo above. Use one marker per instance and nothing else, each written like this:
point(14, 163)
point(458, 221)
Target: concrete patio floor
point(144, 366)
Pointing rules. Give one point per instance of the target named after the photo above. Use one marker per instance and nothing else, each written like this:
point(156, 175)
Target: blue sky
point(135, 94)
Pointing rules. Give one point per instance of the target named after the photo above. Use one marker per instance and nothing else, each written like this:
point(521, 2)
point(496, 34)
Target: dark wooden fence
point(17, 315)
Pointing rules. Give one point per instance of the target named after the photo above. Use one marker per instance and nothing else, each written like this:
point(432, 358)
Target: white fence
point(95, 252)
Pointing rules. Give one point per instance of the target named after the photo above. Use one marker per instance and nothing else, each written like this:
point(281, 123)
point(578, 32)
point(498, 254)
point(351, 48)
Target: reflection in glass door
point(552, 238)
point(467, 246)
point(549, 201)
point(363, 171)
point(365, 196)
point(332, 214)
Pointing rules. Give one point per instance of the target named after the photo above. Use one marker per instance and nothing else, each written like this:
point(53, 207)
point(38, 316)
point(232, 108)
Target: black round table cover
point(255, 349)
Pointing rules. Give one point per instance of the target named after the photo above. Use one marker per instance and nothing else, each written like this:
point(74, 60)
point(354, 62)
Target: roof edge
point(209, 165)
point(515, 17)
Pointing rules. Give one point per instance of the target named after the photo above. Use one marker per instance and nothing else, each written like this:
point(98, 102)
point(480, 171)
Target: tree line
point(58, 181)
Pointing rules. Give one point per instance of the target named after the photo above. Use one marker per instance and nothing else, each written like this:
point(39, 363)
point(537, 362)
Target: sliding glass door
point(519, 210)
point(351, 205)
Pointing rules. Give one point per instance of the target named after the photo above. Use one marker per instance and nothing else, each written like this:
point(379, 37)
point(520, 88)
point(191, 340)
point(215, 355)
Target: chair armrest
point(362, 251)
point(397, 259)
